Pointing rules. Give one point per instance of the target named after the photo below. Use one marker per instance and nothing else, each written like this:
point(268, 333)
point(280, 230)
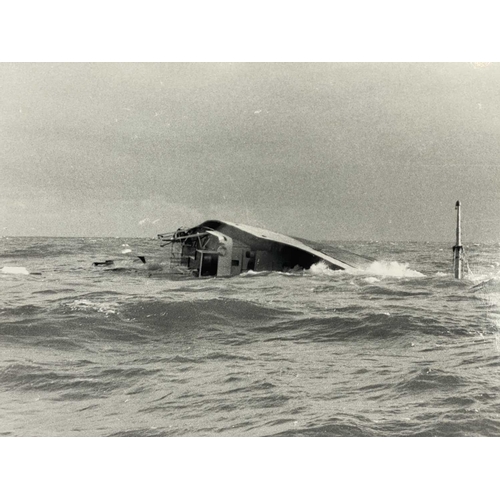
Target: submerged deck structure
point(223, 249)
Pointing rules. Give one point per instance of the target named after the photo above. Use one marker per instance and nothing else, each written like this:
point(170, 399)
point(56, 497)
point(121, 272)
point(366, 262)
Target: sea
point(397, 348)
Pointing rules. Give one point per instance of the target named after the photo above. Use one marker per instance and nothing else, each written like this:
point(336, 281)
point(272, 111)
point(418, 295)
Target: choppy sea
point(398, 348)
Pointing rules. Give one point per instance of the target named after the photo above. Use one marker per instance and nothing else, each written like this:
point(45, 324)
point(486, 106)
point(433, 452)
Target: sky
point(337, 151)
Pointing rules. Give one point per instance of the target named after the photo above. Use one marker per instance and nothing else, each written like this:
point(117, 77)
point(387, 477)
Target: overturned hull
point(219, 248)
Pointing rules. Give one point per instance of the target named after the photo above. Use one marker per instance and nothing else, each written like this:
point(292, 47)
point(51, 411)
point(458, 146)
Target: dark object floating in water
point(219, 248)
point(104, 263)
point(107, 263)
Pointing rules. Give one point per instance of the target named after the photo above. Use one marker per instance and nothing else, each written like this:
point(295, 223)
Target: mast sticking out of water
point(458, 249)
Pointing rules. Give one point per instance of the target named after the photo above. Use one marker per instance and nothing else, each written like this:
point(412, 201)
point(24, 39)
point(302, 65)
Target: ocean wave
point(86, 305)
point(345, 427)
point(377, 268)
point(430, 380)
point(38, 247)
point(205, 313)
point(399, 348)
point(35, 377)
point(393, 269)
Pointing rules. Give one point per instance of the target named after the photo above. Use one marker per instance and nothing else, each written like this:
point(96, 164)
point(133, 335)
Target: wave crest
point(394, 268)
point(89, 306)
point(378, 268)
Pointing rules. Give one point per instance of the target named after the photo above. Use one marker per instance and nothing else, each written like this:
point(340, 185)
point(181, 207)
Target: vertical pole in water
point(458, 249)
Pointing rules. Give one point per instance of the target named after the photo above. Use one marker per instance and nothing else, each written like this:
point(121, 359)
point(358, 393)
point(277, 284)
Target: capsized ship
point(222, 249)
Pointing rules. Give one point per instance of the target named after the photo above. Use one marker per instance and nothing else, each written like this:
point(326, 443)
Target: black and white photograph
point(245, 249)
point(294, 249)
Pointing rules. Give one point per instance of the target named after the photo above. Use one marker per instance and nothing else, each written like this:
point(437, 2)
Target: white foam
point(321, 269)
point(377, 268)
point(127, 250)
point(371, 279)
point(15, 270)
point(87, 305)
point(250, 272)
point(396, 269)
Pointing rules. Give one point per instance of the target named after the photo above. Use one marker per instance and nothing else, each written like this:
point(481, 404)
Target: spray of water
point(321, 269)
point(394, 269)
point(377, 268)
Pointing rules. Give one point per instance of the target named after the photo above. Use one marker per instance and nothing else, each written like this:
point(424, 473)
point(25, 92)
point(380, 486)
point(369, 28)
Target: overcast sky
point(319, 150)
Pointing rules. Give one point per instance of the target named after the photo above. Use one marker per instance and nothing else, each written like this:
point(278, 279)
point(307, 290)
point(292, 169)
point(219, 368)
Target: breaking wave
point(90, 306)
point(378, 268)
point(394, 269)
point(321, 269)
